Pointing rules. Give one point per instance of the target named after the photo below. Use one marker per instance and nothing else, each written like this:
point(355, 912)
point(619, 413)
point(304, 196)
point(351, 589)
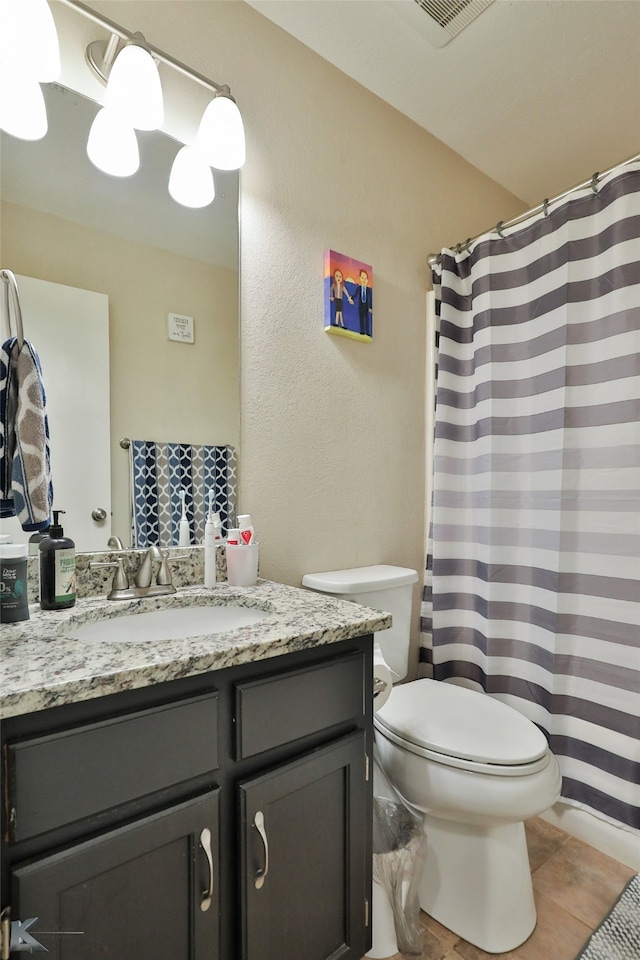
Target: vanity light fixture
point(29, 56)
point(191, 180)
point(112, 145)
point(134, 91)
point(220, 142)
point(221, 133)
point(133, 101)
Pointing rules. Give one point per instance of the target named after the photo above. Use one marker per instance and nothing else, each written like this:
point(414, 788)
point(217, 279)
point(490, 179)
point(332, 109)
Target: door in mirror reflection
point(69, 329)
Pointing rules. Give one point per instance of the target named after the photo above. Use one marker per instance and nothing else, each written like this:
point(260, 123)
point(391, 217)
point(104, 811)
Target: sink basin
point(173, 623)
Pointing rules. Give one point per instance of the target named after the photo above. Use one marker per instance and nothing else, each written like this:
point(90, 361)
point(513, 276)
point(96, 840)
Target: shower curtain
point(532, 589)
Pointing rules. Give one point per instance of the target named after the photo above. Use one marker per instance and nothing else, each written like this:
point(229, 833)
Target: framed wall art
point(348, 291)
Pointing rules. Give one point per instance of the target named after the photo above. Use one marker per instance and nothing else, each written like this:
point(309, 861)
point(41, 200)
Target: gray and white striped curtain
point(536, 517)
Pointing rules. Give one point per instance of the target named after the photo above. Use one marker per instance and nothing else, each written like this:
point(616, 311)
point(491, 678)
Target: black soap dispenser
point(57, 568)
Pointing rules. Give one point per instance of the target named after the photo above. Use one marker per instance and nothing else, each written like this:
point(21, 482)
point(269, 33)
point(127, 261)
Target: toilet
point(471, 767)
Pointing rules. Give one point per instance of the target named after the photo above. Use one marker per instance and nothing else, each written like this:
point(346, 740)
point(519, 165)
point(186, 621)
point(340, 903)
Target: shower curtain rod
point(434, 258)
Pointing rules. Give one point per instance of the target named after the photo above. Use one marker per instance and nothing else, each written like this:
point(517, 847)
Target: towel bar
point(10, 284)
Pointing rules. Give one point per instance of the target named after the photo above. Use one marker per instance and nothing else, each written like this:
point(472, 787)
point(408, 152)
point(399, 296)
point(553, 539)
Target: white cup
point(242, 564)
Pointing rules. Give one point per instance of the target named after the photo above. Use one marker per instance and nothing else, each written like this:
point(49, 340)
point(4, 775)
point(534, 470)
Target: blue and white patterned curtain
point(159, 471)
point(536, 520)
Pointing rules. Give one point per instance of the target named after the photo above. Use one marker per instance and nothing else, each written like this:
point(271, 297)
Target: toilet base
point(477, 883)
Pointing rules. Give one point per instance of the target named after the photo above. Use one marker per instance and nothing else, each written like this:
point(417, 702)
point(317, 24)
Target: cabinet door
point(306, 857)
point(138, 891)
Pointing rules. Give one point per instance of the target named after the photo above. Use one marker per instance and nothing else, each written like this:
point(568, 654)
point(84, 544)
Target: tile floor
point(574, 887)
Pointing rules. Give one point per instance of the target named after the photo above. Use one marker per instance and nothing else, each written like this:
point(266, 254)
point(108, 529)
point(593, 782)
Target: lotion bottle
point(245, 527)
point(184, 535)
point(210, 545)
point(57, 568)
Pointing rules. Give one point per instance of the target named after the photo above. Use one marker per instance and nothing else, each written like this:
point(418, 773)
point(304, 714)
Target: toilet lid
point(462, 723)
point(360, 579)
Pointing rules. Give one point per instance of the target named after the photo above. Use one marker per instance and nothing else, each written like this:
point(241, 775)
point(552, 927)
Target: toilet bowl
point(470, 766)
point(474, 769)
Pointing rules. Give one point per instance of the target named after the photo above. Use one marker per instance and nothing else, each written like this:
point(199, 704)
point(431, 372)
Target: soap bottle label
point(65, 575)
point(13, 590)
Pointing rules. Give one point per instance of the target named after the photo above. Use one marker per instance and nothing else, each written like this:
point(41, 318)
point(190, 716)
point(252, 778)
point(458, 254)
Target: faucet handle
point(120, 578)
point(164, 573)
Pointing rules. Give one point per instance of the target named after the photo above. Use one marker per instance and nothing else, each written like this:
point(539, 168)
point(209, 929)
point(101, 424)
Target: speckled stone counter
point(41, 666)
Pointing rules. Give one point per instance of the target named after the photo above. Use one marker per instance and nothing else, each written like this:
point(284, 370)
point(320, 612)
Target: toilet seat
point(462, 728)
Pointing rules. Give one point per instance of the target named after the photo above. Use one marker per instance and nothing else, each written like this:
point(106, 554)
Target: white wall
point(332, 431)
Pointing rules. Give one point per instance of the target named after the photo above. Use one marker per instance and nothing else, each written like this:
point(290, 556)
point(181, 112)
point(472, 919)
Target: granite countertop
point(41, 667)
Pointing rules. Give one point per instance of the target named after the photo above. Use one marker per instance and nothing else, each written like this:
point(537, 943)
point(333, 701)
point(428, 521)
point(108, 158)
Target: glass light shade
point(191, 179)
point(22, 109)
point(112, 146)
point(134, 91)
point(221, 135)
point(28, 39)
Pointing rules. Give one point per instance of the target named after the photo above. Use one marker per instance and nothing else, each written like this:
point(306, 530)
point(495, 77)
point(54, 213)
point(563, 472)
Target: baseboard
point(617, 842)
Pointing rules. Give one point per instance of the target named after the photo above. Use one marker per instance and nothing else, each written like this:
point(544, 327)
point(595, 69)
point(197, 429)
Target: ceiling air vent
point(440, 20)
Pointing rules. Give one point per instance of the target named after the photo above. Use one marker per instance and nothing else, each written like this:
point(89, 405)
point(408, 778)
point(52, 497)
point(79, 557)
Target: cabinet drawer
point(276, 710)
point(72, 774)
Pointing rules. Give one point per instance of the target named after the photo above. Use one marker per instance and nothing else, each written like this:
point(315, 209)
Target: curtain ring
point(458, 248)
point(594, 182)
point(545, 207)
point(499, 229)
point(467, 244)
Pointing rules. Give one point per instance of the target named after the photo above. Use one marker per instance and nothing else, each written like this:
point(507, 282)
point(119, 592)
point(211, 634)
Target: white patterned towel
point(25, 463)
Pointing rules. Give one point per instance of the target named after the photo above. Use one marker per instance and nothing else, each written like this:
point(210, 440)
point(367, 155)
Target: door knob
point(99, 514)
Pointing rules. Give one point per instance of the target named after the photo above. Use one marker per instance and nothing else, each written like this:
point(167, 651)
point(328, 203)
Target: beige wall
point(332, 431)
point(160, 390)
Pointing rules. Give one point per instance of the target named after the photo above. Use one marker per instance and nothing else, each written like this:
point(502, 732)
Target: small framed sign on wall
point(348, 297)
point(180, 328)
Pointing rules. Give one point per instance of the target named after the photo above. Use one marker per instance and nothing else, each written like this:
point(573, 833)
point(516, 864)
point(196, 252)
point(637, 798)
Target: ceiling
point(537, 94)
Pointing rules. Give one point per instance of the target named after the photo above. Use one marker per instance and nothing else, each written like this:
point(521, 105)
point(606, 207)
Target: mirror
point(66, 222)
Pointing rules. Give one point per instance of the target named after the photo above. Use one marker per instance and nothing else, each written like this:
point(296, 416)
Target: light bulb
point(134, 91)
point(191, 180)
point(221, 134)
point(22, 109)
point(28, 39)
point(112, 145)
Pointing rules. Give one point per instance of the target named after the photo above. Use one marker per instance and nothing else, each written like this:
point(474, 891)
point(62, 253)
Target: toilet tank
point(382, 587)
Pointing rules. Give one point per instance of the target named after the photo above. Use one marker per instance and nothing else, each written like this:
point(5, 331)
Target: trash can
point(399, 857)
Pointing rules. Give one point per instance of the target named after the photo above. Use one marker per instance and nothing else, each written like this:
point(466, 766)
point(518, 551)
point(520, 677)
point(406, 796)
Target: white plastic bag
point(399, 857)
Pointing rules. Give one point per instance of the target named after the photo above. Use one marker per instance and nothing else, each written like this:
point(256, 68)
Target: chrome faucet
point(144, 575)
point(142, 582)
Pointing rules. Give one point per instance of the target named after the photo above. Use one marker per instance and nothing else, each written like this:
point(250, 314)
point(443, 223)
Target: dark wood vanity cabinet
point(134, 891)
point(303, 874)
point(225, 816)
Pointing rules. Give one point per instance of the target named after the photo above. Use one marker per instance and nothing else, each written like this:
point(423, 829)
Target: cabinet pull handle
point(258, 822)
point(205, 843)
